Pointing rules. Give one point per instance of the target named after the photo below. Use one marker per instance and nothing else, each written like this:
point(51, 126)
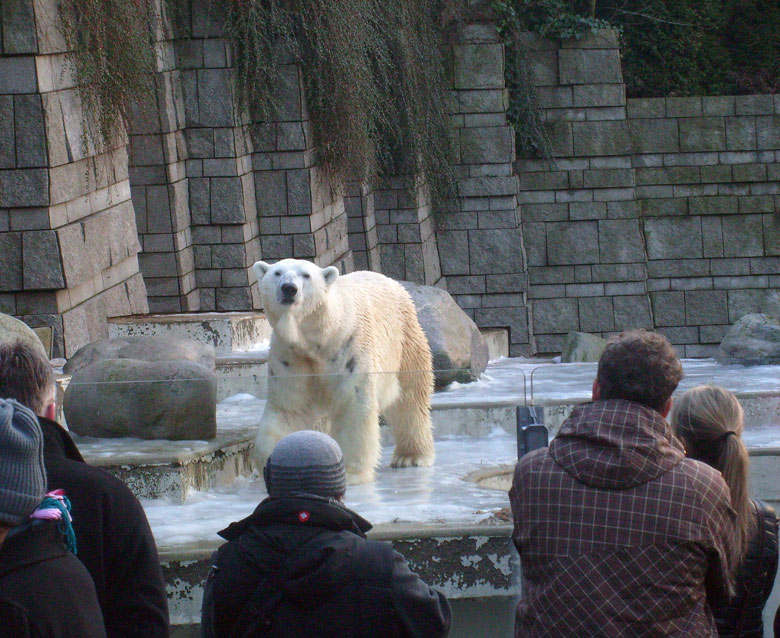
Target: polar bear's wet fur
point(344, 350)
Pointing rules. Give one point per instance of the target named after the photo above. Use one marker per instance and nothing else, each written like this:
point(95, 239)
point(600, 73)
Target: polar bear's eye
point(306, 275)
point(277, 272)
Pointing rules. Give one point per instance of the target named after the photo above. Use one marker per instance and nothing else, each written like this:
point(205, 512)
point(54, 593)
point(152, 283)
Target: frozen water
point(419, 495)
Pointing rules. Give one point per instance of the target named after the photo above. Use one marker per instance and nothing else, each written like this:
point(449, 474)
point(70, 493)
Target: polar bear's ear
point(330, 274)
point(260, 268)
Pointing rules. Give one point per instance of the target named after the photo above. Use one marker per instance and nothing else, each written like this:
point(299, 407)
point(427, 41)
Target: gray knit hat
point(306, 462)
point(22, 474)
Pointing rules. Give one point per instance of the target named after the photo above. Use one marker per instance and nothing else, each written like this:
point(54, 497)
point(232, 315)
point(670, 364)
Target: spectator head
point(639, 366)
point(306, 462)
point(26, 376)
point(22, 474)
point(708, 420)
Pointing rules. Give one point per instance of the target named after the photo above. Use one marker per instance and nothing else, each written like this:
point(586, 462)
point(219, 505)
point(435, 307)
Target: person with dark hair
point(115, 542)
point(618, 532)
point(709, 420)
point(301, 565)
point(45, 592)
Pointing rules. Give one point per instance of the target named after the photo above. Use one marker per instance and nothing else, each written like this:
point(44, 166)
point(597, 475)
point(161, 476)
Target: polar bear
point(345, 349)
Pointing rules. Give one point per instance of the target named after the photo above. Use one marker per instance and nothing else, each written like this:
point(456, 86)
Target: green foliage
point(373, 75)
point(112, 56)
point(751, 36)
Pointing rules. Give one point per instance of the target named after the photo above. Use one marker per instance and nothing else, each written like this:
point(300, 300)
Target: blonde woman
point(708, 420)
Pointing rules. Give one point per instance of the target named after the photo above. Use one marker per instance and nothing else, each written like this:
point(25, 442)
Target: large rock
point(581, 346)
point(144, 387)
point(143, 348)
point(11, 330)
point(460, 352)
point(753, 340)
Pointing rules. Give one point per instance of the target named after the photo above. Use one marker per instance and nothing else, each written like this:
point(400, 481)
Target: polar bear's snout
point(288, 293)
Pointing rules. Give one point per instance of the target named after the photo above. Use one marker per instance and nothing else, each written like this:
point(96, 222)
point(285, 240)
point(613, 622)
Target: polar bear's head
point(293, 284)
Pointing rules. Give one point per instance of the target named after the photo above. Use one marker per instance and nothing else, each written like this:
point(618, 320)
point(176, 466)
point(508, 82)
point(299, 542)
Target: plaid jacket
point(619, 534)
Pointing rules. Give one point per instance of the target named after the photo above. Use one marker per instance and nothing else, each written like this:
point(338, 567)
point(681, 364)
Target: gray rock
point(173, 400)
point(753, 340)
point(142, 348)
point(11, 329)
point(581, 346)
point(459, 350)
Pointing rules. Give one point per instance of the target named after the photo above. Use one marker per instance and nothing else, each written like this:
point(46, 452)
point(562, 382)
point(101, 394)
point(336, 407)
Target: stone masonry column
point(405, 231)
point(160, 189)
point(225, 229)
point(586, 253)
point(68, 237)
point(361, 224)
point(481, 243)
point(302, 213)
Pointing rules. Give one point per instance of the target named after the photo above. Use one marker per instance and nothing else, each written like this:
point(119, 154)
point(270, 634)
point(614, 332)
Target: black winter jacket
point(741, 617)
point(113, 539)
point(302, 566)
point(45, 592)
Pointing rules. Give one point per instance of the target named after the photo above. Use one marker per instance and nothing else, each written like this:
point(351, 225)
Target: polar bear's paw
point(411, 461)
point(359, 477)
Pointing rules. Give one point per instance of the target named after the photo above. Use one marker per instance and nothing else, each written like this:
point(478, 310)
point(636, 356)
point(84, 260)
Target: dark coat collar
point(308, 510)
point(57, 443)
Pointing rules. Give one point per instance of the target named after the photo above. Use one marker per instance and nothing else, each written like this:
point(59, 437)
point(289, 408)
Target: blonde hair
point(709, 421)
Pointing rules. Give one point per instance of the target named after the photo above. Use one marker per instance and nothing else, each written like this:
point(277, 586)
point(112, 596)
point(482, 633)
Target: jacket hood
point(308, 545)
point(615, 444)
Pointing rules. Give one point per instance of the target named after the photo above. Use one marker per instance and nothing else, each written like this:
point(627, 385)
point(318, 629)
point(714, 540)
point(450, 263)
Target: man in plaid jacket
point(619, 533)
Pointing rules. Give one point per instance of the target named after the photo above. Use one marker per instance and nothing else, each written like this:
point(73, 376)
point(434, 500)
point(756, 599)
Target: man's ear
point(667, 408)
point(330, 274)
point(596, 390)
point(260, 268)
point(50, 411)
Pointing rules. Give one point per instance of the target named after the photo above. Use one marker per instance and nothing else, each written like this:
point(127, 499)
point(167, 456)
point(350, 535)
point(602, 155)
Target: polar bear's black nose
point(289, 290)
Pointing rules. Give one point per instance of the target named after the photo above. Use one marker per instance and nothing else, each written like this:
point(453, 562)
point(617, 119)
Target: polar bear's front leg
point(356, 428)
point(274, 426)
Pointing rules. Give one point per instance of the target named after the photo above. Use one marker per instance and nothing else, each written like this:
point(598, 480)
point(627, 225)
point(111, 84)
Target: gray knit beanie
point(22, 474)
point(306, 462)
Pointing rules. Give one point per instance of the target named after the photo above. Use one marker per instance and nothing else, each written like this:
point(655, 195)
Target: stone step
point(227, 331)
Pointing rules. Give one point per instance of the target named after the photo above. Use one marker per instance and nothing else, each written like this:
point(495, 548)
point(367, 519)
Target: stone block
point(517, 282)
point(584, 290)
point(494, 251)
point(706, 307)
point(481, 101)
point(11, 250)
point(741, 133)
point(768, 132)
point(548, 180)
point(601, 138)
point(679, 268)
point(667, 175)
point(555, 315)
point(673, 238)
point(743, 236)
point(668, 308)
point(721, 205)
point(17, 74)
point(587, 210)
point(453, 252)
point(554, 96)
point(632, 311)
point(664, 207)
point(712, 237)
point(42, 265)
point(620, 241)
point(299, 196)
point(560, 136)
point(544, 212)
point(718, 105)
point(642, 108)
point(720, 173)
point(654, 136)
point(486, 145)
point(23, 188)
point(30, 131)
point(583, 66)
point(753, 104)
point(702, 134)
point(271, 193)
point(619, 272)
point(732, 266)
point(18, 28)
point(215, 103)
point(7, 142)
point(744, 302)
point(683, 107)
point(608, 178)
point(572, 243)
point(551, 275)
point(478, 66)
point(749, 172)
point(596, 314)
point(233, 299)
point(227, 202)
point(599, 95)
point(771, 225)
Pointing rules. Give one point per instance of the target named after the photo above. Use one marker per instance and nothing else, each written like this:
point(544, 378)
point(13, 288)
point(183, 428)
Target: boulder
point(581, 346)
point(753, 340)
point(144, 387)
point(460, 352)
point(143, 348)
point(11, 329)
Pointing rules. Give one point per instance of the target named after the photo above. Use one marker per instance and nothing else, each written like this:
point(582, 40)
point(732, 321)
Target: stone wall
point(707, 174)
point(653, 213)
point(68, 238)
